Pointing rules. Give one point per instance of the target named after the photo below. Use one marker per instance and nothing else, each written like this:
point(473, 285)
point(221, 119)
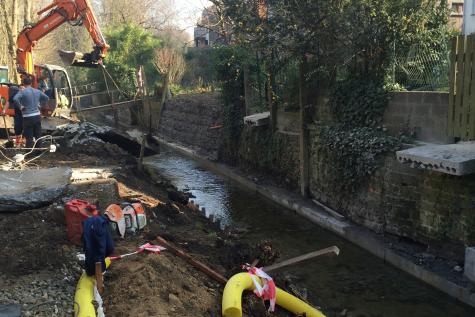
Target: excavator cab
point(4, 87)
point(3, 74)
point(54, 81)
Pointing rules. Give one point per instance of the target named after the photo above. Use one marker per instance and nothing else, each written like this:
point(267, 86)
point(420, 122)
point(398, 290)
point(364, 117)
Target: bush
point(130, 46)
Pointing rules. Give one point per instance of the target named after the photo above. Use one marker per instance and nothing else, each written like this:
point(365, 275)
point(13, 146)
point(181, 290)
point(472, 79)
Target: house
point(469, 17)
point(204, 33)
point(456, 16)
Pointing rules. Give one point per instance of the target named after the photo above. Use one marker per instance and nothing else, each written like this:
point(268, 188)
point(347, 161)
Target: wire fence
point(423, 68)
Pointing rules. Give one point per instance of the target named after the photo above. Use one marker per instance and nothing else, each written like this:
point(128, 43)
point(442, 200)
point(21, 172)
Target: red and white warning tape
point(146, 247)
point(267, 291)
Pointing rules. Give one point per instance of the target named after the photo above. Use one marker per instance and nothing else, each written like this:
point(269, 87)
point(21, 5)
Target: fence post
point(111, 98)
point(304, 135)
point(247, 90)
point(272, 104)
point(147, 99)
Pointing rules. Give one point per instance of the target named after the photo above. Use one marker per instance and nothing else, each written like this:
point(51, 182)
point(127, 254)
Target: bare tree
point(28, 11)
point(170, 63)
point(149, 14)
point(9, 13)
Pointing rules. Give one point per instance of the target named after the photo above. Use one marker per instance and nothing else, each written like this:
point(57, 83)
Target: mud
point(40, 267)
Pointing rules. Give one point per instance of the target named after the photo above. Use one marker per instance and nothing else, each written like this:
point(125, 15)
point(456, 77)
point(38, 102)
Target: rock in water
point(30, 189)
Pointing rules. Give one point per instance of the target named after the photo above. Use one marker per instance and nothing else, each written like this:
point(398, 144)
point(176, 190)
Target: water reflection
point(356, 281)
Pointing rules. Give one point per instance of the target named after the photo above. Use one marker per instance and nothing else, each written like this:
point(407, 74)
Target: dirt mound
point(159, 285)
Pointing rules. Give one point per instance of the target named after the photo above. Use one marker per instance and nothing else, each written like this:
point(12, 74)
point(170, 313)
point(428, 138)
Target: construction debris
point(82, 133)
point(30, 189)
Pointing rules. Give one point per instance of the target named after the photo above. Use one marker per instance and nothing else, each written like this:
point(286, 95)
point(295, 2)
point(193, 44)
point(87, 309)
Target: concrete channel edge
point(353, 233)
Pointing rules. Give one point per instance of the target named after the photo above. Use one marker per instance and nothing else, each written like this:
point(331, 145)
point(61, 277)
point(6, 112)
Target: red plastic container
point(75, 212)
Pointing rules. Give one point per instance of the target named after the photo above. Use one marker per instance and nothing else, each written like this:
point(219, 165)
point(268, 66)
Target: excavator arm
point(76, 12)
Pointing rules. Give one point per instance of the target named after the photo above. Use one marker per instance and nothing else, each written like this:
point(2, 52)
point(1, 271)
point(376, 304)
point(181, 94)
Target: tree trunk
point(27, 9)
point(10, 17)
point(165, 91)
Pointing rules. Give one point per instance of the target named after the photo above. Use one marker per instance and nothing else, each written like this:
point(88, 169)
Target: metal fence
point(423, 68)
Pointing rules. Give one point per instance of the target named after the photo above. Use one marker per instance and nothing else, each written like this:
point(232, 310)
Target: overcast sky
point(189, 12)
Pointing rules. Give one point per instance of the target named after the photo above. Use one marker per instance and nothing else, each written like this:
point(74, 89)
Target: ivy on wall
point(229, 64)
point(354, 153)
point(358, 103)
point(357, 138)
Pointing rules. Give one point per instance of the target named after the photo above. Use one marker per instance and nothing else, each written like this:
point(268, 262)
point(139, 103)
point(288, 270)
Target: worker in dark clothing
point(29, 101)
point(18, 118)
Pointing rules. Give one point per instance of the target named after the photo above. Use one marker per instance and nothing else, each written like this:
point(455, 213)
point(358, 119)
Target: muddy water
point(355, 281)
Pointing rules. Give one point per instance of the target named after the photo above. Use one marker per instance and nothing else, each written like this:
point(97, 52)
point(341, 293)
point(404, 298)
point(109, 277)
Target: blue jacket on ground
point(97, 242)
point(29, 100)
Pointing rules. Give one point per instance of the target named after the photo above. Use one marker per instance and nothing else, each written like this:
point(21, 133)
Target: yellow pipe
point(84, 297)
point(232, 298)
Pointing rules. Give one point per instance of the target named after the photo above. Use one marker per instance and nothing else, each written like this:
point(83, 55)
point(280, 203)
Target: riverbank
point(413, 259)
point(40, 269)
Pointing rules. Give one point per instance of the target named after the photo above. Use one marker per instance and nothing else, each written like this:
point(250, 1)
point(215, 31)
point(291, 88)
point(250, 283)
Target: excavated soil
point(40, 268)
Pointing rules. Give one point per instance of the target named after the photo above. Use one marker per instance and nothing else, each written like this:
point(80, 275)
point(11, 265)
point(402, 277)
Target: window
point(457, 8)
point(59, 79)
point(3, 75)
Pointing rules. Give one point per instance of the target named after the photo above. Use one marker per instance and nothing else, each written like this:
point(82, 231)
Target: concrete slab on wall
point(454, 159)
point(258, 120)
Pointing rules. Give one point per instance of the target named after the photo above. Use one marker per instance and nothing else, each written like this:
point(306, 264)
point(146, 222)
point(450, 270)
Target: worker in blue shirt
point(29, 101)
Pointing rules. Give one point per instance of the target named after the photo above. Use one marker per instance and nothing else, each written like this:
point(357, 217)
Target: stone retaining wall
point(427, 207)
point(424, 206)
point(194, 121)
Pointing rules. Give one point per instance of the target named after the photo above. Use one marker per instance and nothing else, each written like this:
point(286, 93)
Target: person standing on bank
point(29, 101)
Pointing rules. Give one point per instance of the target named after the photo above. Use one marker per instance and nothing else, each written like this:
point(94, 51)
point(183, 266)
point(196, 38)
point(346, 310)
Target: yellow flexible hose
point(232, 298)
point(84, 297)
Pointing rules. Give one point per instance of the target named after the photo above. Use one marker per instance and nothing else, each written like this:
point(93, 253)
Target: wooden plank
point(452, 84)
point(195, 263)
point(459, 85)
point(122, 103)
point(467, 79)
point(99, 277)
point(299, 259)
point(470, 110)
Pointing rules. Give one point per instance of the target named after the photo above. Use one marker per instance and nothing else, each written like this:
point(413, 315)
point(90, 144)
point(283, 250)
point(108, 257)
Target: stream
point(355, 283)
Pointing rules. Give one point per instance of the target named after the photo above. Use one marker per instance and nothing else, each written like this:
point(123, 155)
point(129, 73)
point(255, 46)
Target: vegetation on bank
point(340, 51)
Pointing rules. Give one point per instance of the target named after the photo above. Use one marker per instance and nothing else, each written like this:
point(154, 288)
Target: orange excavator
point(55, 78)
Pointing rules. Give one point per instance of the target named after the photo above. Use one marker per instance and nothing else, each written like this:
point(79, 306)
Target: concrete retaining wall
point(421, 114)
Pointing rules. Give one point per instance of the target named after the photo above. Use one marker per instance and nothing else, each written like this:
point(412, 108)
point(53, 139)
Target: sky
point(189, 12)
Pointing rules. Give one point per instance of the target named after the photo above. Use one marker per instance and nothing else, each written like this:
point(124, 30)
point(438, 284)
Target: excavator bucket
point(77, 59)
